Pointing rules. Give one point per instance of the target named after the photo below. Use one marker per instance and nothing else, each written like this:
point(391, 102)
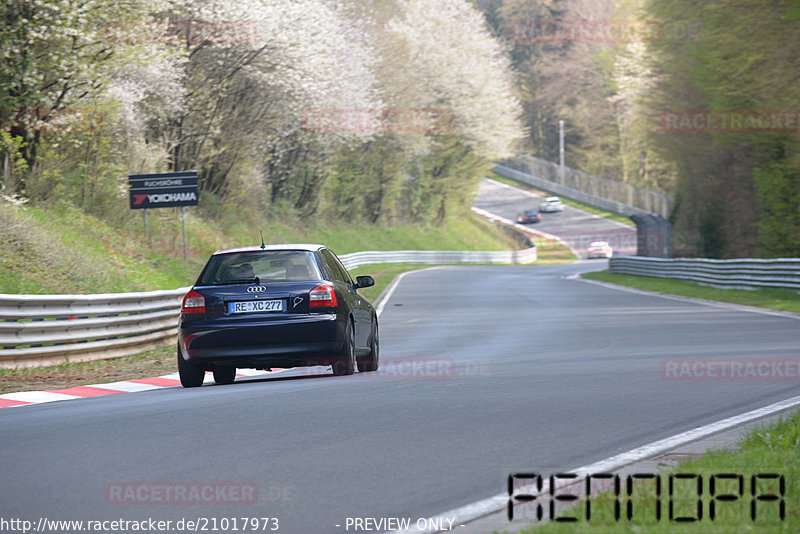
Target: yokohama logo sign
point(163, 190)
point(165, 197)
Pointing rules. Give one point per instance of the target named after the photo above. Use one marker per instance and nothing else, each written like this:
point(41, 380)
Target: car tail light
point(322, 296)
point(193, 302)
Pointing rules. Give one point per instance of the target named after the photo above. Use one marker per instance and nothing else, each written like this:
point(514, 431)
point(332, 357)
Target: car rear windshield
point(266, 265)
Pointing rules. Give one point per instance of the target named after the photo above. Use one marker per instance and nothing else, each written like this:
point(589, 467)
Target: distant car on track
point(275, 306)
point(599, 249)
point(551, 204)
point(529, 217)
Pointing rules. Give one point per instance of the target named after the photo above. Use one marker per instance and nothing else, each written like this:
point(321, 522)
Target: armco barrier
point(726, 274)
point(602, 193)
point(358, 259)
point(45, 329)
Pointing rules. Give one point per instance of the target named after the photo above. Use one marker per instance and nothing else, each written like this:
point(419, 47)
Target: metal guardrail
point(602, 193)
point(47, 329)
point(432, 257)
point(726, 274)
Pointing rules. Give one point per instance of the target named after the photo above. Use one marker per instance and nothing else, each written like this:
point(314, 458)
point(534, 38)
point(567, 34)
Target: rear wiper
point(254, 280)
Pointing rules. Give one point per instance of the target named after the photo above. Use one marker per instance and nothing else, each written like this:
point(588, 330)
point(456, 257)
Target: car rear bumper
point(305, 340)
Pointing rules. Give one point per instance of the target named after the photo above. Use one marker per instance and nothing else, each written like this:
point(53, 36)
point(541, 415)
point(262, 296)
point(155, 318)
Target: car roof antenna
point(263, 246)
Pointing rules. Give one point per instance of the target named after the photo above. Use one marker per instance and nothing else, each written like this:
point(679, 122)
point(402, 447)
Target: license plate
point(256, 306)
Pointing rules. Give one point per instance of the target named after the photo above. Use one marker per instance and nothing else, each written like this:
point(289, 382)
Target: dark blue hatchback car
point(275, 306)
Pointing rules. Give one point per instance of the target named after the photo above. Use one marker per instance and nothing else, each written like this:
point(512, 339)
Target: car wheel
point(346, 363)
point(224, 375)
point(191, 375)
point(370, 361)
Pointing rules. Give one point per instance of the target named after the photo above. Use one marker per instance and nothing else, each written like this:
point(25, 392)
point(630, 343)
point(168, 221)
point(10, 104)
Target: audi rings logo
point(256, 289)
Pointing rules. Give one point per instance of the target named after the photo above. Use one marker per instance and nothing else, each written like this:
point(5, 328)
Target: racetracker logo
point(585, 31)
point(730, 369)
point(51, 120)
point(192, 32)
point(621, 241)
point(374, 120)
point(740, 121)
point(415, 368)
point(171, 493)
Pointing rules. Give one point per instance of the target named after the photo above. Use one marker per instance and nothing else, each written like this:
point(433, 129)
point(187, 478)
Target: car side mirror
point(364, 281)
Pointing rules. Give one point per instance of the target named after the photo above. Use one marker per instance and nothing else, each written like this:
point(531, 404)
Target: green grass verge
point(60, 249)
point(553, 253)
point(569, 202)
point(772, 449)
point(146, 364)
point(64, 250)
point(775, 299)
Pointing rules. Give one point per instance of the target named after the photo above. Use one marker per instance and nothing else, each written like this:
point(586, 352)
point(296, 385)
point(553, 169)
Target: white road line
point(123, 386)
point(389, 291)
point(38, 396)
point(498, 502)
point(681, 298)
point(128, 387)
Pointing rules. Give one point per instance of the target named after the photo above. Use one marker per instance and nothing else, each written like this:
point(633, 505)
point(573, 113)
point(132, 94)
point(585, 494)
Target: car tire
point(224, 375)
point(346, 363)
point(191, 376)
point(371, 361)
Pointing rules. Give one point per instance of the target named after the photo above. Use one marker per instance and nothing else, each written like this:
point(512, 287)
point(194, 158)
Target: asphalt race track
point(517, 369)
point(576, 227)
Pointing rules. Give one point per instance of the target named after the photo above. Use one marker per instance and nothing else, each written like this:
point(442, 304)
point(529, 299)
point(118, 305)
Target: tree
point(56, 59)
point(451, 63)
point(741, 58)
point(245, 100)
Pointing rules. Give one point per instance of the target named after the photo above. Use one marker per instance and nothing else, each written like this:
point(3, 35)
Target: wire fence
point(602, 193)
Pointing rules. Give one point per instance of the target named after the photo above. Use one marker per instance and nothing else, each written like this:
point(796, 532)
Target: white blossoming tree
point(248, 91)
point(369, 109)
point(441, 56)
point(56, 63)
